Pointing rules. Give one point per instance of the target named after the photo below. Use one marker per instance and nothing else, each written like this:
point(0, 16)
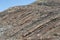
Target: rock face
point(37, 21)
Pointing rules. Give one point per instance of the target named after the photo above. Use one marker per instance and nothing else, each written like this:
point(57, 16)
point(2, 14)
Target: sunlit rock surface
point(37, 21)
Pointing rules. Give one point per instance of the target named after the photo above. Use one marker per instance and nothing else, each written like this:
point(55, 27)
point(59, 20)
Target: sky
point(5, 4)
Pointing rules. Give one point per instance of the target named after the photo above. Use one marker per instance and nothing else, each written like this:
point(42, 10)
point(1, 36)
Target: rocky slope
point(37, 21)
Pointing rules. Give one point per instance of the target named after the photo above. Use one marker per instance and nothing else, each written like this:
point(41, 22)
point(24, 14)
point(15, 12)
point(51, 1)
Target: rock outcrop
point(37, 21)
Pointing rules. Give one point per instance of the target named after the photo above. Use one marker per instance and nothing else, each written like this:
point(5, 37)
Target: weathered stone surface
point(37, 21)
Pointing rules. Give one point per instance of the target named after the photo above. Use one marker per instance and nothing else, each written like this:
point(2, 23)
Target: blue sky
point(4, 4)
